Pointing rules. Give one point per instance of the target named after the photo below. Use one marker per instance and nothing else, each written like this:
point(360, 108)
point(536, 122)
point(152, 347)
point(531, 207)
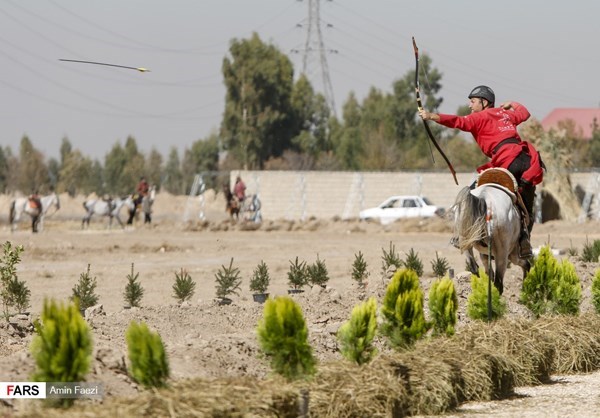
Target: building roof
point(582, 117)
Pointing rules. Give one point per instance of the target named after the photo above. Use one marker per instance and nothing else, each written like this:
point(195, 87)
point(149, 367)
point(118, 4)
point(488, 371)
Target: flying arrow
point(140, 69)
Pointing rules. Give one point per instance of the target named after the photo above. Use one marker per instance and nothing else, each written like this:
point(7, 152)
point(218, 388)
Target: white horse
point(471, 208)
point(110, 208)
point(36, 208)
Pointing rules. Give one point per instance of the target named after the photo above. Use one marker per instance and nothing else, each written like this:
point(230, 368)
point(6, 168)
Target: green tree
point(377, 130)
point(149, 362)
point(3, 171)
point(203, 156)
point(75, 174)
point(348, 143)
point(409, 134)
point(154, 167)
point(114, 164)
point(33, 171)
point(310, 122)
point(134, 166)
point(356, 336)
point(258, 80)
point(62, 348)
point(65, 150)
point(12, 171)
point(173, 175)
point(283, 336)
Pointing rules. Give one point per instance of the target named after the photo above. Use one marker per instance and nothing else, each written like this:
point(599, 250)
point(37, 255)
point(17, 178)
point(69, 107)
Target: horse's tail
point(470, 224)
point(11, 216)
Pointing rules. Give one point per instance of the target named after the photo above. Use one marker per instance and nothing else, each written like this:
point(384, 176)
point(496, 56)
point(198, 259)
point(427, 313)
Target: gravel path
point(567, 396)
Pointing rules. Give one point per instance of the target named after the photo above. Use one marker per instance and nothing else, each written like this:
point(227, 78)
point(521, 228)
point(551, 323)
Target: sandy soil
point(203, 338)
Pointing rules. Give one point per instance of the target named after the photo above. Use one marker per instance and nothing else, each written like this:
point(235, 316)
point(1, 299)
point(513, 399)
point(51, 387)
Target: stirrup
point(525, 250)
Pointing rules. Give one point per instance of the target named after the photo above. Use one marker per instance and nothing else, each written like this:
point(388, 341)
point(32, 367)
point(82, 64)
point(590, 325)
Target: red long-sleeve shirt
point(492, 126)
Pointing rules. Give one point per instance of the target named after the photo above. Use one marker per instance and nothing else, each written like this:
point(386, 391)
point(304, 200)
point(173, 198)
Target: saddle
point(497, 176)
point(35, 203)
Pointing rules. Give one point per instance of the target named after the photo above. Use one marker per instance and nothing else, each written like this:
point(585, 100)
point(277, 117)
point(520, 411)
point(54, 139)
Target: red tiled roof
point(583, 119)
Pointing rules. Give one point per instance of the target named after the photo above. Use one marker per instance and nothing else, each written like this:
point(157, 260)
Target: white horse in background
point(36, 208)
point(471, 209)
point(110, 208)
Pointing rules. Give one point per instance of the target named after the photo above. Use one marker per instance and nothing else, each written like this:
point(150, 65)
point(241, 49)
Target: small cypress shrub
point(133, 290)
point(297, 275)
point(596, 291)
point(149, 363)
point(439, 265)
point(259, 282)
point(413, 262)
point(572, 251)
point(13, 292)
point(85, 290)
point(228, 280)
point(539, 285)
point(283, 336)
point(591, 252)
point(19, 294)
point(356, 336)
point(477, 302)
point(359, 270)
point(184, 286)
point(404, 319)
point(317, 273)
point(443, 305)
point(62, 346)
point(567, 297)
point(390, 261)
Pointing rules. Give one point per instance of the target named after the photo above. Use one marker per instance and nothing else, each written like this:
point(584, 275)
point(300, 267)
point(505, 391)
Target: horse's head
point(57, 202)
point(49, 201)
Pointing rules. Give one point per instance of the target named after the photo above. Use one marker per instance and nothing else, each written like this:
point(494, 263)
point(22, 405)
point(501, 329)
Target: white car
point(400, 207)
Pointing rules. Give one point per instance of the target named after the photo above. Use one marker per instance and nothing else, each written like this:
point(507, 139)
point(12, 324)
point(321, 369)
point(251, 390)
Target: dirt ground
point(204, 339)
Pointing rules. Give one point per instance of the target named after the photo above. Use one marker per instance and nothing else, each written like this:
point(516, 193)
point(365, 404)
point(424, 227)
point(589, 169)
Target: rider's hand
point(425, 115)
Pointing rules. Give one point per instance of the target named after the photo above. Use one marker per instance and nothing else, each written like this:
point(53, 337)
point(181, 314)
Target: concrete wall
point(325, 194)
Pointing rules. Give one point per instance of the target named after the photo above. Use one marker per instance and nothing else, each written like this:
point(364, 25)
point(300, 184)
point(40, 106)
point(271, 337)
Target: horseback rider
point(495, 132)
point(141, 190)
point(35, 201)
point(239, 189)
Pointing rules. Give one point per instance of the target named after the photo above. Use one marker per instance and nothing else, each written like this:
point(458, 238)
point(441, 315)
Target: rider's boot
point(525, 250)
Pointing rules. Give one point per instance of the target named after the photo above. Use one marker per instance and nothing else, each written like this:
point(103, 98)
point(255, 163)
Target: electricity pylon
point(314, 53)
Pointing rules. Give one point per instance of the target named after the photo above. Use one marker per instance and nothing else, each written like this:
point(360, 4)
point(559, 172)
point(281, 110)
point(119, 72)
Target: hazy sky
point(544, 54)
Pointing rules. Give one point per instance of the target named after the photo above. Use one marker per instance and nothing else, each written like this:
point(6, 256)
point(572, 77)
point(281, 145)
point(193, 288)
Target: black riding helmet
point(484, 92)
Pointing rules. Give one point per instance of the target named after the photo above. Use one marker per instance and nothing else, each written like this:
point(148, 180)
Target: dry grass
point(483, 361)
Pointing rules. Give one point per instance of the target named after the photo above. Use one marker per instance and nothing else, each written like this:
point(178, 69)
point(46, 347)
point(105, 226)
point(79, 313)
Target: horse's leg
point(471, 262)
point(118, 218)
point(489, 269)
point(34, 224)
point(131, 216)
point(501, 264)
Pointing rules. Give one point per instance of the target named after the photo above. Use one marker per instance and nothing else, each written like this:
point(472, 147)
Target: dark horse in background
point(232, 204)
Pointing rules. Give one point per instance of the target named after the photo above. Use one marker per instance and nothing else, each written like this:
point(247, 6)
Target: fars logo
point(23, 390)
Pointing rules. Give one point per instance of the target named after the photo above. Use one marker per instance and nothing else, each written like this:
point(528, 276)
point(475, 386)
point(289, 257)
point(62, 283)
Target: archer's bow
point(420, 107)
